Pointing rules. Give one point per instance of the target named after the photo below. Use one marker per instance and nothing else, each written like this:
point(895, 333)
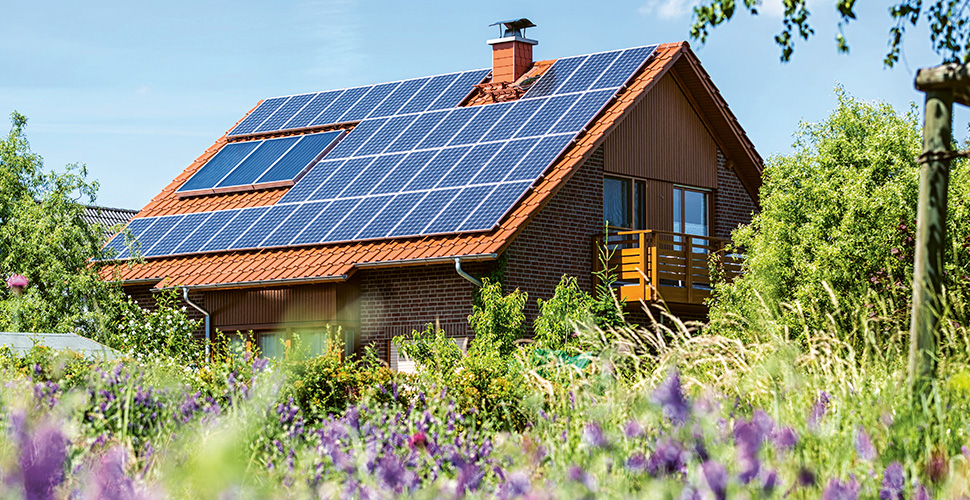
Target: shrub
point(165, 331)
point(498, 320)
point(559, 317)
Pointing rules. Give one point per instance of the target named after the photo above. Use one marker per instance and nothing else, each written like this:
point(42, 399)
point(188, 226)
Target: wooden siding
point(660, 205)
point(277, 308)
point(663, 138)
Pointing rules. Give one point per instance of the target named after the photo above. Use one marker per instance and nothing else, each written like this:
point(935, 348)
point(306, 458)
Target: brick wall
point(396, 301)
point(733, 205)
point(560, 239)
point(145, 297)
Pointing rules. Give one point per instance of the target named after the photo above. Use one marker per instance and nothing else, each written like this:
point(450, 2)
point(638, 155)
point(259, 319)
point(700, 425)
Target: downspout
point(465, 275)
point(208, 335)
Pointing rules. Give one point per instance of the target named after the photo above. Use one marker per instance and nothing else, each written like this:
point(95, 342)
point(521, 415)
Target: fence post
point(641, 246)
point(689, 260)
point(654, 271)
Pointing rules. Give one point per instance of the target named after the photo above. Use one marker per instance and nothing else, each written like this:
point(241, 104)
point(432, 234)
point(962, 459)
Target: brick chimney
point(512, 53)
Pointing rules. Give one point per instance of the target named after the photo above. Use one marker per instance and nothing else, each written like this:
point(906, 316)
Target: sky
point(137, 90)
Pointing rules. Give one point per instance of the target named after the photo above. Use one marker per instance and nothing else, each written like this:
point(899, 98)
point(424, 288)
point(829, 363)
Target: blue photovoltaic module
point(414, 163)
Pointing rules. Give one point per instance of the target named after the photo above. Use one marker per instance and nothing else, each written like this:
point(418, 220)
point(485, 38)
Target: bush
point(559, 317)
point(498, 320)
point(165, 331)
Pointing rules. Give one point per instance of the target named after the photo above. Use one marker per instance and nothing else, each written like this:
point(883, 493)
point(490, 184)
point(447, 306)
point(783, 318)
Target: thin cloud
point(676, 9)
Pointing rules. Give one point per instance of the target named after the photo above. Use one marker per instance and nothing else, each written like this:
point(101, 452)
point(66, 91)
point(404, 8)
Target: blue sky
point(138, 90)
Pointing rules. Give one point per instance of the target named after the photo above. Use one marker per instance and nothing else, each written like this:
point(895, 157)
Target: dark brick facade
point(560, 239)
point(733, 205)
point(398, 300)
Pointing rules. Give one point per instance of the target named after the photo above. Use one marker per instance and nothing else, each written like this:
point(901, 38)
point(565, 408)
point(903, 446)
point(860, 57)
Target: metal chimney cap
point(514, 27)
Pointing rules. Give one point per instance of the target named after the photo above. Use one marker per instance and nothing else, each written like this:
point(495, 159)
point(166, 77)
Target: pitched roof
point(337, 261)
point(107, 217)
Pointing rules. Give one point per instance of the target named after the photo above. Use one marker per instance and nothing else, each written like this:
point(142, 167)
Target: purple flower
point(418, 440)
point(921, 493)
point(670, 397)
point(806, 477)
point(469, 478)
point(637, 463)
point(42, 456)
point(519, 484)
point(578, 475)
point(893, 481)
point(633, 429)
point(837, 490)
point(667, 459)
point(764, 423)
point(716, 477)
point(770, 482)
point(110, 481)
point(747, 439)
point(863, 445)
point(593, 435)
point(785, 438)
point(818, 409)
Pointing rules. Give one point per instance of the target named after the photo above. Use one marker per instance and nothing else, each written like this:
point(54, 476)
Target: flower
point(670, 397)
point(667, 459)
point(593, 435)
point(633, 429)
point(785, 438)
point(818, 409)
point(716, 477)
point(863, 445)
point(892, 482)
point(837, 490)
point(17, 281)
point(418, 440)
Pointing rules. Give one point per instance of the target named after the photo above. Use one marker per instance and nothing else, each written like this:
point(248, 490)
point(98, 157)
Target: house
point(375, 208)
point(106, 218)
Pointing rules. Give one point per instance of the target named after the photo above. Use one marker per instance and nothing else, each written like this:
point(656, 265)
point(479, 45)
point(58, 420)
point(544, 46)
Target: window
point(624, 203)
point(691, 213)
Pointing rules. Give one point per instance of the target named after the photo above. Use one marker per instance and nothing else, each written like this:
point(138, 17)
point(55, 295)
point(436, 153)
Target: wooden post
point(934, 180)
point(689, 260)
point(642, 246)
point(654, 264)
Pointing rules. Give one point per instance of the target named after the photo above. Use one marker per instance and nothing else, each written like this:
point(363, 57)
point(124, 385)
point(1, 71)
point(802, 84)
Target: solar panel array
point(259, 162)
point(359, 103)
point(421, 171)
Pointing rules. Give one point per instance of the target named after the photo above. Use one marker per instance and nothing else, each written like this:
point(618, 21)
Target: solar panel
point(256, 118)
point(233, 229)
point(428, 94)
point(117, 245)
point(265, 155)
point(298, 158)
point(179, 232)
point(316, 106)
point(285, 112)
point(411, 167)
point(366, 104)
point(555, 77)
point(494, 207)
point(218, 166)
point(459, 89)
point(340, 106)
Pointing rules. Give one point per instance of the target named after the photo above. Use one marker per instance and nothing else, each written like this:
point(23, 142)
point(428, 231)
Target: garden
point(795, 388)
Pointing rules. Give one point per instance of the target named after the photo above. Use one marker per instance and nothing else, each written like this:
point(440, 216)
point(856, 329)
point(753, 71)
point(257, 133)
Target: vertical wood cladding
point(251, 308)
point(663, 138)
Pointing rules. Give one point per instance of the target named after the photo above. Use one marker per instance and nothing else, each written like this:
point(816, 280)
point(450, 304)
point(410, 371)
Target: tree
point(840, 211)
point(44, 237)
point(949, 22)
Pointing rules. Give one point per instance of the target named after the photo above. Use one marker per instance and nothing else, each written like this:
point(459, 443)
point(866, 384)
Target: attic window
point(252, 165)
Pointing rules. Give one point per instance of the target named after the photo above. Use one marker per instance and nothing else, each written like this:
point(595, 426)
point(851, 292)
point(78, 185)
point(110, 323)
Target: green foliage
point(43, 237)
point(836, 220)
point(948, 20)
point(327, 384)
point(607, 309)
point(498, 321)
point(165, 331)
point(560, 316)
point(434, 353)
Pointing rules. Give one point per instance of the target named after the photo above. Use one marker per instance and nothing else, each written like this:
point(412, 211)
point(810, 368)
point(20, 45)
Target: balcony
point(674, 268)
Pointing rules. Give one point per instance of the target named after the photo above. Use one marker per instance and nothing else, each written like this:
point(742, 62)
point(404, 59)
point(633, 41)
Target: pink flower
point(16, 280)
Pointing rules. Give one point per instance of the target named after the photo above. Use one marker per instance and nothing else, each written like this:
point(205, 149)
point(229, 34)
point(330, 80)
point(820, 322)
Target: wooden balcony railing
point(655, 265)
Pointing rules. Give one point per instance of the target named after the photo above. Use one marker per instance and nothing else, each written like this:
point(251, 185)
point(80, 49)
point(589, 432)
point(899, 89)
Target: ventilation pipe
point(208, 329)
point(465, 275)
